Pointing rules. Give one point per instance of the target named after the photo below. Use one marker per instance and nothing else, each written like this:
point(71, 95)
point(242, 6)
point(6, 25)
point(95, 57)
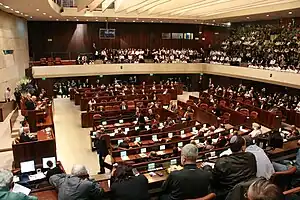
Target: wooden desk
point(36, 150)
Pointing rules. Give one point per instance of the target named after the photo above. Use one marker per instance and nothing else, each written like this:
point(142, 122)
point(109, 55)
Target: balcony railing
point(65, 3)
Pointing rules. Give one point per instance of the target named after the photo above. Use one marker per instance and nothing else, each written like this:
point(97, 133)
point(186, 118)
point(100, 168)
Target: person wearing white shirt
point(91, 103)
point(264, 166)
point(7, 95)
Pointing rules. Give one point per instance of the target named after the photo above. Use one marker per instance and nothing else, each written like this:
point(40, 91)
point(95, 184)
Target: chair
point(50, 61)
point(244, 111)
point(240, 99)
point(57, 61)
point(108, 108)
point(283, 179)
point(96, 116)
point(253, 115)
point(248, 102)
point(43, 61)
point(204, 106)
point(210, 196)
point(130, 104)
point(223, 103)
point(116, 107)
point(226, 118)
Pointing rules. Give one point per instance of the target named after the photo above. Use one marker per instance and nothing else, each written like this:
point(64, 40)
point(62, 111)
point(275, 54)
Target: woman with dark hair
point(127, 186)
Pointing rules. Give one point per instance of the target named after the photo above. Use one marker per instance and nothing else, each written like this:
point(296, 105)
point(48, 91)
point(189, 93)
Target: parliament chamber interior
point(149, 100)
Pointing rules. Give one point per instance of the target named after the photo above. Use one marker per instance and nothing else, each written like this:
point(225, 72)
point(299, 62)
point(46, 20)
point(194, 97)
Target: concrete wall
point(267, 76)
point(13, 36)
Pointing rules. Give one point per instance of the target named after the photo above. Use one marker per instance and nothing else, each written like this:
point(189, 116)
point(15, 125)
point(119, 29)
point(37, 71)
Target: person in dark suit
point(52, 170)
point(125, 144)
point(126, 186)
point(102, 149)
point(123, 106)
point(188, 183)
point(30, 104)
point(24, 137)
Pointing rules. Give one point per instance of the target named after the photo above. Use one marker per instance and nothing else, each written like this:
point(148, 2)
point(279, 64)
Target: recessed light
point(77, 19)
point(106, 20)
point(160, 21)
point(290, 13)
point(6, 6)
point(12, 9)
point(267, 15)
point(97, 20)
point(1, 3)
point(143, 21)
point(248, 17)
point(133, 21)
point(44, 13)
point(56, 19)
point(137, 18)
point(87, 20)
point(21, 13)
point(117, 18)
point(67, 19)
point(31, 17)
point(37, 9)
point(50, 16)
point(26, 15)
point(17, 11)
point(214, 20)
point(152, 21)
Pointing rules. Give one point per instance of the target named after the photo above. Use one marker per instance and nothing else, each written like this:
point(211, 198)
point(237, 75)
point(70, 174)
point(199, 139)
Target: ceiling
point(213, 12)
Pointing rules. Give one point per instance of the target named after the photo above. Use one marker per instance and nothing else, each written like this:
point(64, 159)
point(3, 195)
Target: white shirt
point(7, 95)
point(263, 163)
point(255, 133)
point(226, 153)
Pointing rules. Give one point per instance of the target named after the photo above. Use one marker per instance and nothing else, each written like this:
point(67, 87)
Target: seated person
point(153, 156)
point(123, 106)
point(220, 128)
point(188, 113)
point(91, 103)
point(76, 186)
point(125, 144)
point(293, 133)
point(151, 115)
point(263, 189)
point(126, 186)
point(6, 185)
point(257, 130)
point(24, 135)
point(169, 122)
point(208, 144)
point(230, 170)
point(265, 168)
point(190, 182)
point(52, 170)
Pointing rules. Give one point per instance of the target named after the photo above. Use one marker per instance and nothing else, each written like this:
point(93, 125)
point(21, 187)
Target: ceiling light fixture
point(152, 21)
point(267, 15)
point(248, 17)
point(57, 19)
point(31, 17)
point(97, 20)
point(87, 20)
point(6, 6)
point(160, 21)
point(50, 16)
point(133, 21)
point(214, 20)
point(17, 11)
point(44, 13)
point(21, 13)
point(143, 21)
point(106, 20)
point(26, 15)
point(37, 9)
point(117, 18)
point(12, 9)
point(290, 13)
point(1, 3)
point(67, 19)
point(77, 19)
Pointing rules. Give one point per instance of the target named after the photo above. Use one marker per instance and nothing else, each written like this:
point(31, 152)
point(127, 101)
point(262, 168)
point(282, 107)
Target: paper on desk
point(160, 153)
point(21, 189)
point(183, 135)
point(16, 179)
point(125, 158)
point(143, 155)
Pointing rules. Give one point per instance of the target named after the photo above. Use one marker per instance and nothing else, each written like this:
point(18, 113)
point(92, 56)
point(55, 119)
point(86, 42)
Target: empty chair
point(253, 115)
point(248, 102)
point(204, 106)
point(244, 111)
point(283, 179)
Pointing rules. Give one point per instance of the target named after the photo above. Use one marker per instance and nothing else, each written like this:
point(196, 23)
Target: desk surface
point(42, 135)
point(287, 146)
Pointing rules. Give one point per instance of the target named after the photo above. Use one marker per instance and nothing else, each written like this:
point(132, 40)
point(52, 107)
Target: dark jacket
point(51, 172)
point(188, 183)
point(24, 138)
point(233, 169)
point(134, 188)
point(73, 188)
point(101, 147)
point(29, 105)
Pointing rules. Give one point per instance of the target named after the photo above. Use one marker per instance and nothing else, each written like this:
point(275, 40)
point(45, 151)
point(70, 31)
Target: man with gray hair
point(76, 186)
point(6, 184)
point(190, 182)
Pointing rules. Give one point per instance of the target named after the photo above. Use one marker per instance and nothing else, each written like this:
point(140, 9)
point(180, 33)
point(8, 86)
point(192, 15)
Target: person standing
point(102, 149)
point(7, 95)
point(17, 94)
